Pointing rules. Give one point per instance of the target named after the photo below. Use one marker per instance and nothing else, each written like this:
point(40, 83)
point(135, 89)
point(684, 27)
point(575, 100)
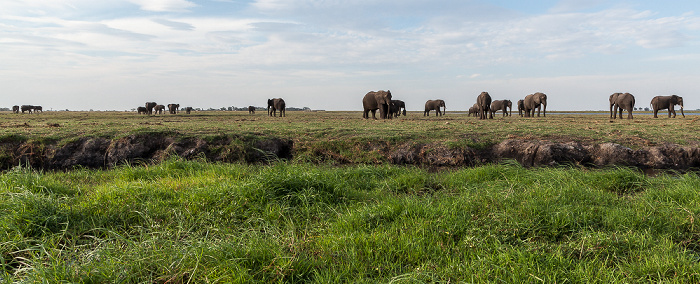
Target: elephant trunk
point(682, 110)
point(544, 109)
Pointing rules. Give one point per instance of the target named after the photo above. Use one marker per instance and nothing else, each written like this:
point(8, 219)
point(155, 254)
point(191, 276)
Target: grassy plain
point(300, 222)
point(346, 133)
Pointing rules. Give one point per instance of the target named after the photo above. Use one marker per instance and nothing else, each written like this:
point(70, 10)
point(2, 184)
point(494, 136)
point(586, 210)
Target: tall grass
point(195, 222)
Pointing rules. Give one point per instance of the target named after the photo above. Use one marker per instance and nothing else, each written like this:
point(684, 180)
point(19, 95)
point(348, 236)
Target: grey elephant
point(15, 109)
point(502, 105)
point(373, 101)
point(621, 101)
point(276, 104)
point(537, 100)
point(188, 110)
point(251, 110)
point(28, 108)
point(667, 102)
point(38, 109)
point(395, 108)
point(172, 108)
point(150, 106)
point(434, 105)
point(473, 110)
point(141, 110)
point(483, 102)
point(521, 107)
point(158, 109)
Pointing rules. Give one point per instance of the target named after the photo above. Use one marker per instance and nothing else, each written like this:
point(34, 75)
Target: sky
point(327, 54)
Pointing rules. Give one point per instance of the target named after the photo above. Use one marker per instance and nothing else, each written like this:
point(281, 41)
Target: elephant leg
point(672, 109)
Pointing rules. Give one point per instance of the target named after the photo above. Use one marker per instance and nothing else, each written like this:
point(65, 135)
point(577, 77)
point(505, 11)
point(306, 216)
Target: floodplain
point(338, 211)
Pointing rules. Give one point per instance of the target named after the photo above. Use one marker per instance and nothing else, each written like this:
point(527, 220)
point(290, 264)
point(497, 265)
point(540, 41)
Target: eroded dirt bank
point(94, 152)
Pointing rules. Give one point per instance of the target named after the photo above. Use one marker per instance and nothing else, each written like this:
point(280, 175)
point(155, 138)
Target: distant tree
point(646, 109)
point(230, 108)
point(5, 109)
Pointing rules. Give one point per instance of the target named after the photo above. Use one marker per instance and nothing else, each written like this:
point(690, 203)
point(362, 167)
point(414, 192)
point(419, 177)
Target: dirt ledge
point(95, 152)
point(534, 153)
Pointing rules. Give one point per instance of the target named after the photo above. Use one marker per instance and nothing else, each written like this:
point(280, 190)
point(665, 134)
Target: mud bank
point(531, 153)
point(94, 152)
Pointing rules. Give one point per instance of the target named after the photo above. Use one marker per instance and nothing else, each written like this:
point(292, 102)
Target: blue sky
point(118, 54)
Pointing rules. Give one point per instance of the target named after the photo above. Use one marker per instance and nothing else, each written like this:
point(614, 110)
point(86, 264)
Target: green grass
point(197, 222)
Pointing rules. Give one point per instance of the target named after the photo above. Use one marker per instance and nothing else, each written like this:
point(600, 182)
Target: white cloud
point(164, 5)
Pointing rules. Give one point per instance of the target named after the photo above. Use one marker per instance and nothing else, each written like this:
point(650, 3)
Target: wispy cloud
point(296, 46)
point(164, 5)
point(175, 25)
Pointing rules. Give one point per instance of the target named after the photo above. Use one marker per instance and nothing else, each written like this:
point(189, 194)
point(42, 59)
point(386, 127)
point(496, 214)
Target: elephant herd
point(625, 101)
point(150, 108)
point(485, 108)
point(27, 108)
point(154, 108)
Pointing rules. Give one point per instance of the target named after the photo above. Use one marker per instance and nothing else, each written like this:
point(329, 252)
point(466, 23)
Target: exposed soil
point(94, 152)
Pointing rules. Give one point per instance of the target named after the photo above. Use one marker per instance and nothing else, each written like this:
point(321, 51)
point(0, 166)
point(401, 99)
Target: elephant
point(503, 105)
point(28, 108)
point(483, 102)
point(276, 104)
point(172, 108)
point(434, 105)
point(38, 108)
point(251, 110)
point(621, 101)
point(395, 108)
point(376, 100)
point(149, 107)
point(141, 110)
point(15, 109)
point(537, 100)
point(667, 102)
point(159, 109)
point(188, 110)
point(473, 110)
point(521, 107)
